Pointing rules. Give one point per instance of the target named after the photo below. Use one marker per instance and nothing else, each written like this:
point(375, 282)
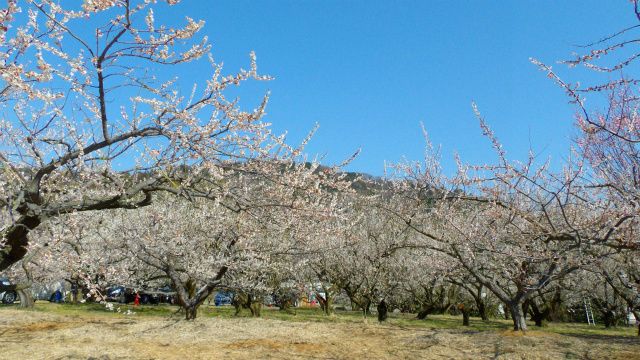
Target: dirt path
point(37, 335)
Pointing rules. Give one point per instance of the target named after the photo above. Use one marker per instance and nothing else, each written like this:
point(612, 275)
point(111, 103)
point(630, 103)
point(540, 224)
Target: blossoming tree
point(92, 122)
point(515, 227)
point(608, 139)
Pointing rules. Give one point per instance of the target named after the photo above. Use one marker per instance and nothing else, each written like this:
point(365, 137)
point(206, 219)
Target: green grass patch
point(316, 315)
point(597, 330)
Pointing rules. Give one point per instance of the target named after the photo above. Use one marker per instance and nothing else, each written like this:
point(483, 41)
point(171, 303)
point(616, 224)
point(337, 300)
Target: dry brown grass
point(41, 335)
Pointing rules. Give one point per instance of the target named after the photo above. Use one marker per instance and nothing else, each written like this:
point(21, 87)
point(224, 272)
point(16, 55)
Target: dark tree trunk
point(17, 241)
point(482, 309)
point(238, 309)
point(424, 312)
point(507, 311)
point(536, 315)
point(16, 236)
point(608, 318)
point(74, 296)
point(191, 311)
point(556, 313)
point(465, 318)
point(538, 320)
point(382, 311)
point(466, 313)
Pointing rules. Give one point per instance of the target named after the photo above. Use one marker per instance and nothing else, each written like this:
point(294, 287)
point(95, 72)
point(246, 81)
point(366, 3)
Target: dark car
point(120, 294)
point(223, 298)
point(149, 297)
point(125, 295)
point(10, 296)
point(166, 295)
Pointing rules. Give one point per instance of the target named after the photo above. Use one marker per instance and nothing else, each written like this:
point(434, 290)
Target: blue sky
point(370, 71)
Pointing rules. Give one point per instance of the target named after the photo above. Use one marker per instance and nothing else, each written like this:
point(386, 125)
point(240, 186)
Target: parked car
point(125, 295)
point(56, 297)
point(223, 298)
point(270, 300)
point(166, 295)
point(8, 297)
point(120, 294)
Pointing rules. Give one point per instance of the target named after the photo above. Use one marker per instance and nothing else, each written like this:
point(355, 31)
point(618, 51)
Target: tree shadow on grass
point(611, 339)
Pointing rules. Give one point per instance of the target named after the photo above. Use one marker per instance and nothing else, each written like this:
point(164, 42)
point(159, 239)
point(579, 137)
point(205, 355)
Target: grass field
point(89, 331)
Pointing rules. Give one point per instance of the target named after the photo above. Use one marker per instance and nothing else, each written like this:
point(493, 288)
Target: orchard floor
point(89, 332)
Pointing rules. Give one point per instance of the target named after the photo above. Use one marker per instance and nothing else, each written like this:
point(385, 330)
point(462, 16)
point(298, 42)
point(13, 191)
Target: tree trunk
point(482, 309)
point(382, 311)
point(608, 318)
point(536, 314)
point(190, 285)
point(525, 309)
point(519, 323)
point(286, 304)
point(556, 313)
point(326, 303)
point(636, 314)
point(538, 320)
point(354, 305)
point(466, 312)
point(74, 296)
point(16, 238)
point(188, 298)
point(246, 301)
point(366, 308)
point(424, 312)
point(190, 311)
point(256, 308)
point(506, 310)
point(26, 300)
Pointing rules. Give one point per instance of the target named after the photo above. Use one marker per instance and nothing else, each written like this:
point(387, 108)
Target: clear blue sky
point(370, 71)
